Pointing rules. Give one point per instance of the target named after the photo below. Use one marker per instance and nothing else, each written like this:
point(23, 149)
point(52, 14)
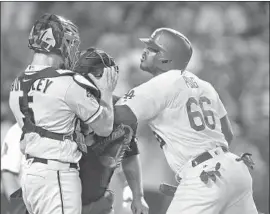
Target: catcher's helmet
point(173, 49)
point(55, 34)
point(93, 61)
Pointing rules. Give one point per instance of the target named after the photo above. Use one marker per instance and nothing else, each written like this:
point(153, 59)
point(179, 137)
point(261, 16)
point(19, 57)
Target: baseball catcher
point(102, 155)
point(46, 101)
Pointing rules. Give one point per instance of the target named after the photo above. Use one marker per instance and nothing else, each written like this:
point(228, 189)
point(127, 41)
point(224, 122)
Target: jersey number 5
point(24, 110)
point(203, 117)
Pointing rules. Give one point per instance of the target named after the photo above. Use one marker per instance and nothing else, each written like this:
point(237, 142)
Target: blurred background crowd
point(231, 43)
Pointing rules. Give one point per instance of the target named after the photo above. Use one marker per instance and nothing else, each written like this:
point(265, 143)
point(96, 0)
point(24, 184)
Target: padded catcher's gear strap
point(26, 81)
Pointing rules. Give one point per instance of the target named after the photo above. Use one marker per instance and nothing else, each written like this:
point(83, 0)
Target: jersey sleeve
point(220, 107)
point(11, 156)
point(83, 103)
point(146, 100)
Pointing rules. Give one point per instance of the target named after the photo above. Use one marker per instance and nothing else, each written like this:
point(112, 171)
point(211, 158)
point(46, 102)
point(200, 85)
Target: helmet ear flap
point(166, 61)
point(46, 34)
point(162, 62)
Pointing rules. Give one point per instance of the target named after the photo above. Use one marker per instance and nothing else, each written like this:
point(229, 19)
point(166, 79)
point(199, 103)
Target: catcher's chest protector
point(95, 178)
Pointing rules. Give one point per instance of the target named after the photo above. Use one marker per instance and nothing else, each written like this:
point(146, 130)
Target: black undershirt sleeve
point(123, 114)
point(134, 150)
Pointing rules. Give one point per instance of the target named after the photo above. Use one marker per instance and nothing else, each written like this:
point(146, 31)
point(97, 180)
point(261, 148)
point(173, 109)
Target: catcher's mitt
point(111, 149)
point(93, 61)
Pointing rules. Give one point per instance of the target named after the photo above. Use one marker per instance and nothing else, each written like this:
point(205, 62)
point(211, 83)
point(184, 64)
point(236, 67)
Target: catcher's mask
point(55, 34)
point(93, 61)
point(173, 50)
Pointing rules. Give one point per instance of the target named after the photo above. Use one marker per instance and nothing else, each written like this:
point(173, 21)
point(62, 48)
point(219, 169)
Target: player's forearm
point(132, 170)
point(103, 125)
point(10, 183)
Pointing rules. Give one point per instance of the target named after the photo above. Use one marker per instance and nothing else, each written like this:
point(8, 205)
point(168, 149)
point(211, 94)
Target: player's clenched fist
point(139, 206)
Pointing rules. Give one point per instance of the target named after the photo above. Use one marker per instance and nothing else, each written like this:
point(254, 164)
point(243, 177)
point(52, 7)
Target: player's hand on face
point(108, 80)
point(139, 206)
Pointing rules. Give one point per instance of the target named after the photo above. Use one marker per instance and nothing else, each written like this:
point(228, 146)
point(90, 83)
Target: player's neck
point(51, 60)
point(157, 72)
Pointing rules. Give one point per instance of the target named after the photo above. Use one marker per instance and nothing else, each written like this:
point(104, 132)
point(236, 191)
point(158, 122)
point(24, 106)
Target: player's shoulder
point(163, 84)
point(74, 78)
point(192, 79)
point(69, 81)
point(84, 82)
point(171, 76)
point(204, 86)
point(66, 75)
point(80, 86)
point(175, 80)
point(164, 79)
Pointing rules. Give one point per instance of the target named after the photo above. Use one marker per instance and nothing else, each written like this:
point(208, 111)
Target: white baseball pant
point(230, 194)
point(52, 188)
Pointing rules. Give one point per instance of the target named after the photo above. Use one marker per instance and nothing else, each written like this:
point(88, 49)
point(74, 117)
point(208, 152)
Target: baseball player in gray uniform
point(46, 101)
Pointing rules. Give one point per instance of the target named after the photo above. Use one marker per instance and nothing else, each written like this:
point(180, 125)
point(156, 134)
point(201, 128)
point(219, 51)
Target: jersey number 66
point(203, 117)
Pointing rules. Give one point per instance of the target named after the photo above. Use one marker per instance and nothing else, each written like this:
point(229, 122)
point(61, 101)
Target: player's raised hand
point(107, 82)
point(139, 206)
point(100, 67)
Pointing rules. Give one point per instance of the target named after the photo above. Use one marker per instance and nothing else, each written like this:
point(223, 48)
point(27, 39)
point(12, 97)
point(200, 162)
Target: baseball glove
point(111, 149)
point(93, 61)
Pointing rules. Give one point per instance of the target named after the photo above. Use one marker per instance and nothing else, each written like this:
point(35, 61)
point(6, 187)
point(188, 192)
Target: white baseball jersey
point(183, 111)
point(11, 156)
point(56, 103)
